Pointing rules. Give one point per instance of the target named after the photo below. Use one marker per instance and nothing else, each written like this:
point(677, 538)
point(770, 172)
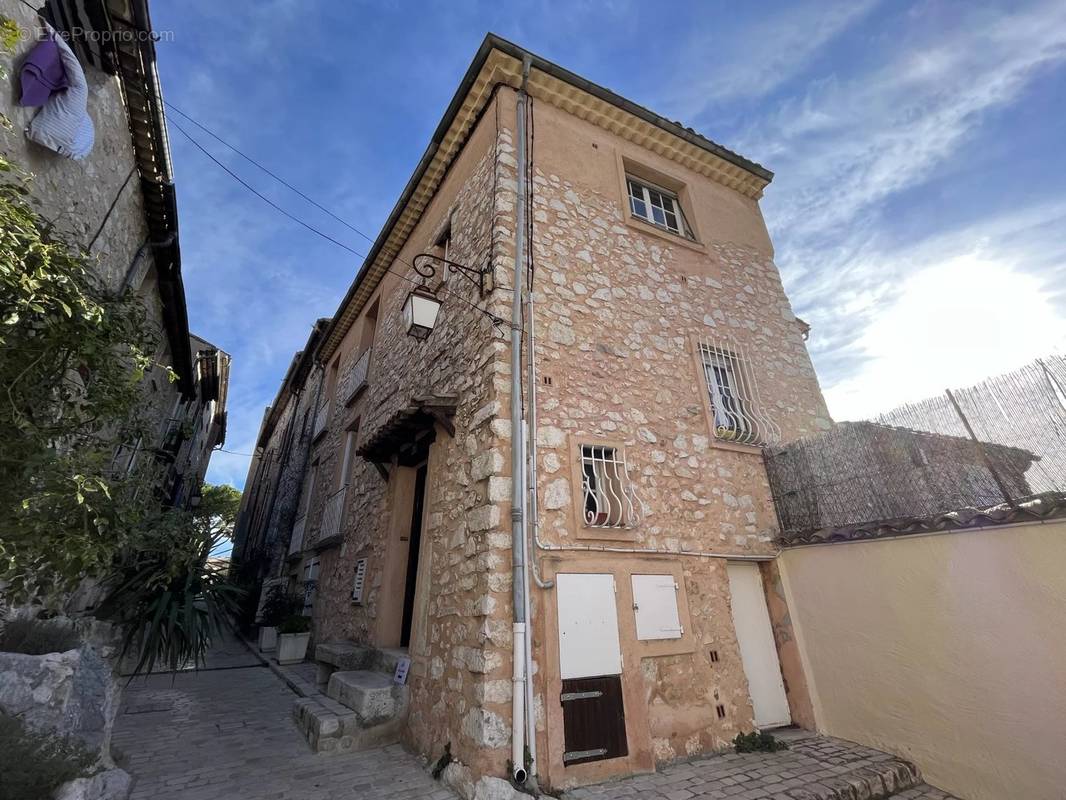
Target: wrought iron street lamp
point(420, 313)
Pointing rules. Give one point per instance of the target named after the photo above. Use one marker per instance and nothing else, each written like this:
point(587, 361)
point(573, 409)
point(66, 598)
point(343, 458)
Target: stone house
point(658, 354)
point(271, 520)
point(118, 204)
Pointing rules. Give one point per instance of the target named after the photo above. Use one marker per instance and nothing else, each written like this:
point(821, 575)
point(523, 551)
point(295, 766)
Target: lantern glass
point(420, 313)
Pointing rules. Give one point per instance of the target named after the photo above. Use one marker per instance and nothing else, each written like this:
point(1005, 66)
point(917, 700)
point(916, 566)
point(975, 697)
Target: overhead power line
point(495, 320)
point(273, 175)
point(262, 196)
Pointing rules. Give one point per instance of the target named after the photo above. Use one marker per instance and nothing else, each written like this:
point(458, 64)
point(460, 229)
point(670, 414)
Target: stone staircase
point(357, 706)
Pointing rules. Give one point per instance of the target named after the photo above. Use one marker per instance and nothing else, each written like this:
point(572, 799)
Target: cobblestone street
point(807, 771)
point(226, 733)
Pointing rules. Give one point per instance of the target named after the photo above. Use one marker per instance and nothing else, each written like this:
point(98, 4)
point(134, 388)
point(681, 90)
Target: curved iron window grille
point(609, 499)
point(736, 405)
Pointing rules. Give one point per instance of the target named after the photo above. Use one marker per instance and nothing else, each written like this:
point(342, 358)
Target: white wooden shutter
point(588, 626)
point(655, 607)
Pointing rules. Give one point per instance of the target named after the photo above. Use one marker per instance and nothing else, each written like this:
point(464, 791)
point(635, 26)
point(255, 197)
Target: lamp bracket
point(424, 266)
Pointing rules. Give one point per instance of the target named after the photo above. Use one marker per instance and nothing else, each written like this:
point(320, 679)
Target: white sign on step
point(399, 677)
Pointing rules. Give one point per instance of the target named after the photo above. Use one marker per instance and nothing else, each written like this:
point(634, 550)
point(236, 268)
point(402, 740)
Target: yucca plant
point(169, 594)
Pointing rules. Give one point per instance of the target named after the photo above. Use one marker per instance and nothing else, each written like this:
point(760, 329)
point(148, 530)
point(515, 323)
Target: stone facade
point(97, 204)
point(271, 505)
point(620, 309)
point(460, 647)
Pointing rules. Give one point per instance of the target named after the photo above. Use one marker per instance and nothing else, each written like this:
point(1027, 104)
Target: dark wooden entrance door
point(594, 720)
point(414, 545)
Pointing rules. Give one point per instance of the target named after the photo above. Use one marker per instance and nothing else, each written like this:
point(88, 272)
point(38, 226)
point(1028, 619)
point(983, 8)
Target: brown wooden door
point(594, 720)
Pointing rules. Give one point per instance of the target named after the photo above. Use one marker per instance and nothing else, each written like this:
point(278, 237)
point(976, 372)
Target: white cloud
point(953, 324)
point(848, 143)
point(720, 65)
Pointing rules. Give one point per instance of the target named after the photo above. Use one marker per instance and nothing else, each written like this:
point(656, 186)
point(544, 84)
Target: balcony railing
point(355, 378)
point(333, 515)
point(321, 418)
point(296, 541)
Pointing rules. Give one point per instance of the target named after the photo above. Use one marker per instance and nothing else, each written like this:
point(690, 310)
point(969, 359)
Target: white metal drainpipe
point(518, 461)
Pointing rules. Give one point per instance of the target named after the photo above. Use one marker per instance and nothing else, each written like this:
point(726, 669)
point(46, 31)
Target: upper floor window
point(736, 407)
point(658, 206)
point(609, 500)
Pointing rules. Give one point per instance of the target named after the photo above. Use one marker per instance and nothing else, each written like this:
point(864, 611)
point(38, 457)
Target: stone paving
point(813, 768)
point(226, 733)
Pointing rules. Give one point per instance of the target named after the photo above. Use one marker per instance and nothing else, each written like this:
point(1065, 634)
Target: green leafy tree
point(72, 357)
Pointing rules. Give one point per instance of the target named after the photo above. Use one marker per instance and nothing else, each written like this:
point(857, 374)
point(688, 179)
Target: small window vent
point(720, 710)
point(359, 581)
point(714, 656)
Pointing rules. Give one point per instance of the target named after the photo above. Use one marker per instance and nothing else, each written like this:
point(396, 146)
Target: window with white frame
point(658, 206)
point(736, 406)
point(608, 497)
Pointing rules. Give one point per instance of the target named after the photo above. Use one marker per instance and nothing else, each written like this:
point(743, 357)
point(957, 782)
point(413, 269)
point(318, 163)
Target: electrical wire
point(273, 175)
point(111, 208)
point(496, 321)
point(262, 196)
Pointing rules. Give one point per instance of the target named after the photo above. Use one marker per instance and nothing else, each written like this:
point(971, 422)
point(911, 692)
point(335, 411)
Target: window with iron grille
point(658, 206)
point(609, 499)
point(737, 412)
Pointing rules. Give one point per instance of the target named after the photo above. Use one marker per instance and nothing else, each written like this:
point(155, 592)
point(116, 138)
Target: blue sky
point(918, 213)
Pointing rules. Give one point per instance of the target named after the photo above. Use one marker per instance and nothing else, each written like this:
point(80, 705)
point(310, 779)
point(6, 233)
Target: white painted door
point(588, 626)
point(757, 648)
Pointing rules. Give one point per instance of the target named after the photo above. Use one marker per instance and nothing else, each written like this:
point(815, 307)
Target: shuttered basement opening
point(594, 723)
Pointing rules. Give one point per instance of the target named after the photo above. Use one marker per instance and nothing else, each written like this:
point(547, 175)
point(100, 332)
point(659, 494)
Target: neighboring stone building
point(118, 204)
point(665, 354)
point(271, 514)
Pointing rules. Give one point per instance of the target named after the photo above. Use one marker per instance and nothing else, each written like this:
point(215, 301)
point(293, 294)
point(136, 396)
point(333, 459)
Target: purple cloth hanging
point(42, 73)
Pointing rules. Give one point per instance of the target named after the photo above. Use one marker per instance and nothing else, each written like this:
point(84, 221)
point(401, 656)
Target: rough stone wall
point(293, 474)
point(75, 195)
point(618, 313)
point(460, 686)
point(616, 321)
point(617, 310)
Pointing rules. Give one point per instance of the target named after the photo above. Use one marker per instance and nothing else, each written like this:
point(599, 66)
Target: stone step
point(345, 655)
point(331, 727)
point(371, 695)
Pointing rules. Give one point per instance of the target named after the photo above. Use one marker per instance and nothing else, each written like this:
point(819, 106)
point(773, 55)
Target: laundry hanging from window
point(63, 124)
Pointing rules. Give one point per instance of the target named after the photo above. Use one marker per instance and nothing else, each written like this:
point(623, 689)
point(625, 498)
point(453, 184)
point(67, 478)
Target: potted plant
point(277, 605)
point(294, 632)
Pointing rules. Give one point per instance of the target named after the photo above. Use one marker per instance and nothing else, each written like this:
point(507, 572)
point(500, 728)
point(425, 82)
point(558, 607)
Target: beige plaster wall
point(945, 649)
